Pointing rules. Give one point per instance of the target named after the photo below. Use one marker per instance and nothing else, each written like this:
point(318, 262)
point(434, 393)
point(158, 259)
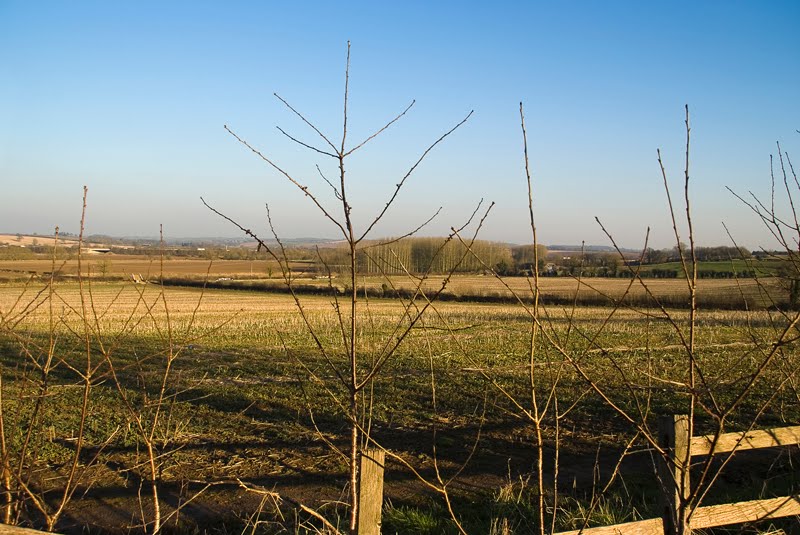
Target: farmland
point(264, 274)
point(127, 265)
point(525, 269)
point(245, 396)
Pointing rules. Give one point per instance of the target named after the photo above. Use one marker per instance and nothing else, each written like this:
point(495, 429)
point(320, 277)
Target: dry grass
point(242, 413)
point(126, 265)
point(486, 285)
point(13, 239)
point(249, 314)
point(590, 290)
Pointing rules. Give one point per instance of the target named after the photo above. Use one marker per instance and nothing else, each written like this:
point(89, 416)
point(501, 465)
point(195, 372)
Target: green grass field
point(250, 397)
point(764, 267)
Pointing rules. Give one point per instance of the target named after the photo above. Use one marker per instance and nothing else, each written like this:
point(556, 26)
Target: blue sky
point(131, 98)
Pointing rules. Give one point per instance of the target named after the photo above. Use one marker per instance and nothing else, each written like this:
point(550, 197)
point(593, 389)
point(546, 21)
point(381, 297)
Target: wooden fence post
point(370, 496)
point(673, 437)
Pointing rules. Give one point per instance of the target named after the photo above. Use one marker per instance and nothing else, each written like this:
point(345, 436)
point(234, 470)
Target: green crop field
point(737, 265)
point(231, 386)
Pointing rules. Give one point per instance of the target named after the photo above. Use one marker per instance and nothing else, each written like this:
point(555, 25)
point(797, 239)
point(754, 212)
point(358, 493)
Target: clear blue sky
point(131, 98)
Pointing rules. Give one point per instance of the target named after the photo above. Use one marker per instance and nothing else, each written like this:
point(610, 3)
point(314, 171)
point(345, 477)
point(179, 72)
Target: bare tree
point(351, 363)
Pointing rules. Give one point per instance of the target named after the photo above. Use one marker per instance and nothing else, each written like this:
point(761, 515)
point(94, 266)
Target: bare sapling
point(57, 408)
point(713, 397)
point(540, 405)
point(66, 350)
point(148, 413)
point(709, 400)
point(350, 361)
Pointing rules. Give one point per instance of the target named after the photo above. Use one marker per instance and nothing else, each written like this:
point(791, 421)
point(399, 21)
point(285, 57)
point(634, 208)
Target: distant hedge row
point(727, 301)
point(656, 273)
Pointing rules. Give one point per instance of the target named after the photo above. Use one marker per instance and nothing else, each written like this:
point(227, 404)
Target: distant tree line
point(435, 255)
point(584, 264)
point(703, 254)
point(659, 273)
point(428, 255)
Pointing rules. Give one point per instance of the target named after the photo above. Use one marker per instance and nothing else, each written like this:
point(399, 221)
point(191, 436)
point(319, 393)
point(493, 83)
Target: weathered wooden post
point(673, 436)
point(370, 496)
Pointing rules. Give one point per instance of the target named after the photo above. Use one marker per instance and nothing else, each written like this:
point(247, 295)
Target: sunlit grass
point(248, 374)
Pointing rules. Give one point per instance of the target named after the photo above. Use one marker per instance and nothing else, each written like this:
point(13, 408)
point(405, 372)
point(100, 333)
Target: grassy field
point(742, 293)
point(124, 266)
point(248, 396)
point(20, 240)
point(762, 267)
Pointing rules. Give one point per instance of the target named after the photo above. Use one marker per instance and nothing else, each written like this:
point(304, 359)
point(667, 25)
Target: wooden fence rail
point(674, 478)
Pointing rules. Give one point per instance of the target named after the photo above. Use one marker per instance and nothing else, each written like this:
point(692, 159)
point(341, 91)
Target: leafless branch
point(380, 131)
point(335, 190)
point(300, 186)
point(306, 145)
point(307, 122)
point(406, 235)
point(403, 180)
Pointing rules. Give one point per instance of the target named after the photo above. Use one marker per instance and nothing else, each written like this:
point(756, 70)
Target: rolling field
point(13, 239)
point(736, 294)
point(597, 289)
point(248, 395)
point(127, 265)
point(717, 293)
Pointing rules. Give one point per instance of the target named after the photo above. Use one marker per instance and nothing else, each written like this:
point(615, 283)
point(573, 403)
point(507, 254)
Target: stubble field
point(245, 396)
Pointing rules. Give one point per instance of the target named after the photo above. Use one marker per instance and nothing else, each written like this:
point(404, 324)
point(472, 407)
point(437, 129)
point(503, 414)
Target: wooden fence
point(370, 496)
point(674, 478)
